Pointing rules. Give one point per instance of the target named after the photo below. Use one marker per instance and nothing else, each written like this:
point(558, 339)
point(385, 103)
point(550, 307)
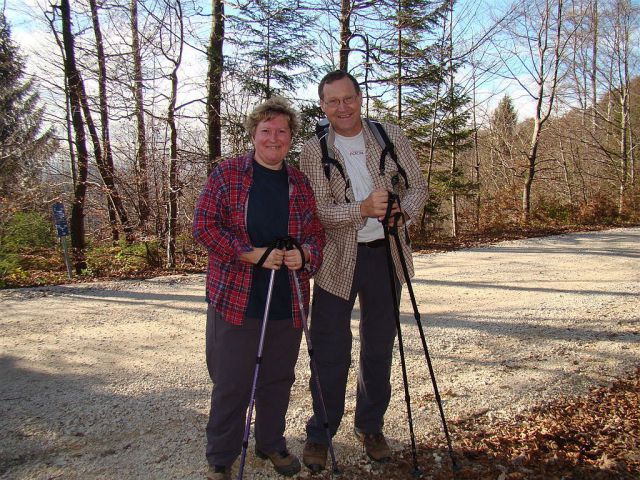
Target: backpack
point(329, 159)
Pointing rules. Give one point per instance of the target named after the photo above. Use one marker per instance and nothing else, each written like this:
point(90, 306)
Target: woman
point(248, 203)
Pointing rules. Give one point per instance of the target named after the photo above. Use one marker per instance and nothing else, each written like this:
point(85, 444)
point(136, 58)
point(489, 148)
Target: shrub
point(26, 230)
point(123, 258)
point(548, 211)
point(600, 210)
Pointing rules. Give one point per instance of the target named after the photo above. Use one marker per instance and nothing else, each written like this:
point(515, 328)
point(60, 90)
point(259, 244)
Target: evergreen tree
point(23, 143)
point(503, 135)
point(504, 118)
point(406, 52)
point(273, 48)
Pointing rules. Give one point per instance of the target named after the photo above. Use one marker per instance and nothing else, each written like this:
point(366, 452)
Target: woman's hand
point(273, 261)
point(293, 260)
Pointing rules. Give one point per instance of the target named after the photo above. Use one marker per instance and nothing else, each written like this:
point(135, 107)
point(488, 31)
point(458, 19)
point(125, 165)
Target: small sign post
point(62, 228)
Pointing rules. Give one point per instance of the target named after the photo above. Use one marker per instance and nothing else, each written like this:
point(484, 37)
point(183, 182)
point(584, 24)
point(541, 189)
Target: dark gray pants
point(231, 360)
point(331, 338)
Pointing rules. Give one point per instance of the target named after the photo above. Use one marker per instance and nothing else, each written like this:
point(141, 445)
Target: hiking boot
point(375, 445)
point(314, 456)
point(283, 462)
point(218, 472)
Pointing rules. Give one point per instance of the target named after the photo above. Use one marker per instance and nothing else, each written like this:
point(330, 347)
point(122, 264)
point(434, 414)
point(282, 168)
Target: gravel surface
point(108, 381)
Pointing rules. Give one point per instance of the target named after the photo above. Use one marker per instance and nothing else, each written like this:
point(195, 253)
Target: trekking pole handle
point(278, 244)
point(289, 243)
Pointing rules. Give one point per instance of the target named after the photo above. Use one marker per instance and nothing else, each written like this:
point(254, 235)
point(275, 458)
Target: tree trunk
point(547, 84)
point(476, 153)
point(345, 34)
point(73, 80)
point(399, 66)
point(216, 64)
point(454, 146)
point(105, 162)
point(594, 65)
point(174, 186)
point(624, 156)
point(141, 153)
point(532, 158)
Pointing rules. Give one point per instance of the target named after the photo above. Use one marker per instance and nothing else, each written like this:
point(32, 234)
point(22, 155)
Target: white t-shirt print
point(353, 152)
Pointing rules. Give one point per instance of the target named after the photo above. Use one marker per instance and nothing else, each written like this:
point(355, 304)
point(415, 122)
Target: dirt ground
point(108, 381)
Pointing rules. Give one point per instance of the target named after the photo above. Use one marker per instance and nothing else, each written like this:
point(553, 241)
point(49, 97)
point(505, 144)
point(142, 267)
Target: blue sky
point(33, 36)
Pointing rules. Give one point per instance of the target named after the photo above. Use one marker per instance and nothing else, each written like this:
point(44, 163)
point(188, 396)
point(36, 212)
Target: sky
point(33, 37)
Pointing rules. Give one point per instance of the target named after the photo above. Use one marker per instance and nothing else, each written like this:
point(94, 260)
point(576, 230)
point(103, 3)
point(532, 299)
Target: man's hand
point(392, 216)
point(273, 261)
point(375, 205)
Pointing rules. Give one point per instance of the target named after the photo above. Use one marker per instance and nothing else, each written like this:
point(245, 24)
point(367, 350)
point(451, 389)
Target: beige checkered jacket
point(342, 220)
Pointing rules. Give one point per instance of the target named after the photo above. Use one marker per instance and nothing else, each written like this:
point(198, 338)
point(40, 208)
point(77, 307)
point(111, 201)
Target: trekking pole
point(416, 315)
point(265, 317)
point(289, 244)
point(396, 310)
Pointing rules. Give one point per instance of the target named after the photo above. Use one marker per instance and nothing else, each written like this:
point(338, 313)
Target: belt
point(373, 243)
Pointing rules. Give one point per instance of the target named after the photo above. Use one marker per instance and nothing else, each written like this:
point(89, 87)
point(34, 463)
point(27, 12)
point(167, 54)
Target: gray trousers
point(231, 360)
point(331, 339)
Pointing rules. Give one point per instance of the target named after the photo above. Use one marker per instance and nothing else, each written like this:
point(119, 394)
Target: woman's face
point(272, 141)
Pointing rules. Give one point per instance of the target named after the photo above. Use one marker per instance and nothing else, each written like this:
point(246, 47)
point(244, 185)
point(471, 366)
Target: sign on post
point(60, 219)
point(62, 228)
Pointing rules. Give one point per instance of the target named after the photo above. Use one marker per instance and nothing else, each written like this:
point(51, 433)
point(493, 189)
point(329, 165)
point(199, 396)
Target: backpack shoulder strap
point(388, 148)
point(328, 155)
point(322, 132)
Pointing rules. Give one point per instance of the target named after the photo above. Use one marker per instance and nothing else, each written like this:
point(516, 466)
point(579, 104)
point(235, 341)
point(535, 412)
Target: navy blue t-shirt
point(268, 220)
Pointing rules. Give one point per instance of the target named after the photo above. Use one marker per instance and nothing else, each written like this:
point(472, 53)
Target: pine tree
point(504, 118)
point(504, 121)
point(273, 46)
point(24, 144)
point(406, 51)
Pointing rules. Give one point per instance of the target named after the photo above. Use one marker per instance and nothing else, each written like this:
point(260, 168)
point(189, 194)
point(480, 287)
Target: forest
point(523, 113)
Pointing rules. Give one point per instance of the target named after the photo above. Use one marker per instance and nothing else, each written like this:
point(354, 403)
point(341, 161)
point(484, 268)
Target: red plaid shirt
point(220, 225)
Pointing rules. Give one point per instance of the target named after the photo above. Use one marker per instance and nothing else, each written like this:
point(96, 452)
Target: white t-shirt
point(353, 152)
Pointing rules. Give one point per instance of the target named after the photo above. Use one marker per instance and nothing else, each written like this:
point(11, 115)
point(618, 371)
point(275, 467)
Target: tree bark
point(174, 185)
point(214, 97)
point(345, 34)
point(454, 146)
point(105, 162)
point(544, 101)
point(594, 64)
point(79, 195)
point(141, 153)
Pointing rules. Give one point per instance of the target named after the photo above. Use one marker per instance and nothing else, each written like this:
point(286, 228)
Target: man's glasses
point(334, 102)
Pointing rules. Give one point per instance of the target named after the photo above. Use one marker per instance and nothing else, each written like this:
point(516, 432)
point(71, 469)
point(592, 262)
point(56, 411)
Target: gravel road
point(107, 380)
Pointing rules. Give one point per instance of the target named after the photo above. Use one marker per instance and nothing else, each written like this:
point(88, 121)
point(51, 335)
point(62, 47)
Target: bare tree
point(173, 53)
point(214, 97)
point(621, 17)
point(138, 89)
point(75, 101)
point(345, 34)
point(538, 31)
point(105, 160)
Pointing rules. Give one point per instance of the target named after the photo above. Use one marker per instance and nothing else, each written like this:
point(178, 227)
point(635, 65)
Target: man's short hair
point(332, 77)
point(269, 109)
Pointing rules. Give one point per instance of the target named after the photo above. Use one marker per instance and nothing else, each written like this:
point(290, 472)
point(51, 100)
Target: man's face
point(343, 107)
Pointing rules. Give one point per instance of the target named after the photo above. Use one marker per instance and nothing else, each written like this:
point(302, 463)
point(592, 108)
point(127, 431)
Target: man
point(352, 200)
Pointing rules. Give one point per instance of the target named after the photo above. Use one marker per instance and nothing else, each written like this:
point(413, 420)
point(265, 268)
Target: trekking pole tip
point(416, 473)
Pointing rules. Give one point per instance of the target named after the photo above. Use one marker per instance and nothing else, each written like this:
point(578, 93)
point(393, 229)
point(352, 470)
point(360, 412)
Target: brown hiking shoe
point(375, 445)
point(314, 456)
point(283, 462)
point(218, 473)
